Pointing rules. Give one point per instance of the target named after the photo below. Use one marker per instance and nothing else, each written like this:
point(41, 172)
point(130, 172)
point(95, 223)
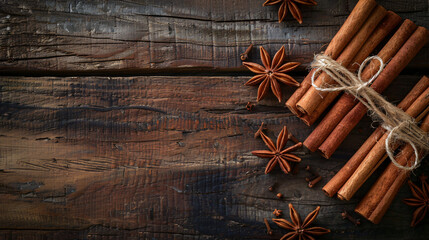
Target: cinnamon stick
point(380, 188)
point(378, 153)
point(310, 119)
point(411, 47)
point(347, 102)
point(389, 22)
point(352, 24)
point(376, 202)
point(311, 99)
point(332, 187)
point(385, 202)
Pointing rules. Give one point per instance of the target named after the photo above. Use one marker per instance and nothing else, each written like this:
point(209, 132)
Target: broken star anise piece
point(292, 6)
point(420, 200)
point(277, 212)
point(300, 230)
point(277, 155)
point(271, 73)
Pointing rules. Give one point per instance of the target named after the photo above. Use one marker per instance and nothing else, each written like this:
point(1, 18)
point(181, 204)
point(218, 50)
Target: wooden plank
point(66, 37)
point(160, 157)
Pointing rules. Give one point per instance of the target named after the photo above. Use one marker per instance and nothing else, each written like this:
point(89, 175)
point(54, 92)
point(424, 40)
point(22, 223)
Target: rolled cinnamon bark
point(310, 119)
point(376, 202)
point(385, 202)
point(346, 101)
point(381, 187)
point(378, 153)
point(352, 24)
point(389, 22)
point(411, 47)
point(311, 99)
point(332, 187)
point(386, 26)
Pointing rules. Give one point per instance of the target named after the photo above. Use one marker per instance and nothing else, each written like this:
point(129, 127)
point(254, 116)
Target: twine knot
point(400, 125)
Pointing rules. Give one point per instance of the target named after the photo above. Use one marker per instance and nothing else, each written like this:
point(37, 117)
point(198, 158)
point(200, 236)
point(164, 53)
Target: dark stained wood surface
point(159, 157)
point(157, 36)
point(162, 156)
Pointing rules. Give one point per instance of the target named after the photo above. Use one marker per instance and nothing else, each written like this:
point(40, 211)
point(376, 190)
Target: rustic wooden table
point(127, 120)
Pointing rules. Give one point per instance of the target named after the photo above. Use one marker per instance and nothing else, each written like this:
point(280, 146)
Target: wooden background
point(127, 120)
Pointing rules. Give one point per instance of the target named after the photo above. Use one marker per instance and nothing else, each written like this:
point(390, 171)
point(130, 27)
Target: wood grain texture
point(121, 156)
point(161, 157)
point(126, 37)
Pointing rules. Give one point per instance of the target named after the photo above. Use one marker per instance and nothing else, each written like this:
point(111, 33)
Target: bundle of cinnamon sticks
point(347, 112)
point(365, 28)
point(376, 202)
point(372, 153)
point(351, 39)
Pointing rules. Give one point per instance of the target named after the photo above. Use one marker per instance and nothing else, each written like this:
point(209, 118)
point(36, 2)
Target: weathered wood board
point(159, 157)
point(128, 120)
point(62, 36)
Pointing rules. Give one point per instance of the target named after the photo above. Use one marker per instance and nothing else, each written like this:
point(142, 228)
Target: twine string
point(400, 125)
point(392, 157)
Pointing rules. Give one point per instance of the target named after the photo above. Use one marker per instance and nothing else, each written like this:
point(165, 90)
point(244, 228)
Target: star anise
point(271, 73)
point(420, 200)
point(300, 230)
point(276, 153)
point(292, 6)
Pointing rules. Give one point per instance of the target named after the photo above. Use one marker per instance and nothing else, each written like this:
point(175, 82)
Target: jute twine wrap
point(400, 125)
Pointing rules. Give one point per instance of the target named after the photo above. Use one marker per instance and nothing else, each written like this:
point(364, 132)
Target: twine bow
point(400, 125)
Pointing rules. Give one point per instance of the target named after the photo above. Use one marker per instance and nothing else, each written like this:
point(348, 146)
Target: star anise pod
point(420, 200)
point(260, 129)
point(277, 155)
point(300, 230)
point(292, 6)
point(271, 73)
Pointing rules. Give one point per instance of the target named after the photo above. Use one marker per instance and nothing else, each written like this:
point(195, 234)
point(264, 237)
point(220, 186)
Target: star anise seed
point(292, 6)
point(271, 73)
point(300, 230)
point(420, 200)
point(277, 155)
